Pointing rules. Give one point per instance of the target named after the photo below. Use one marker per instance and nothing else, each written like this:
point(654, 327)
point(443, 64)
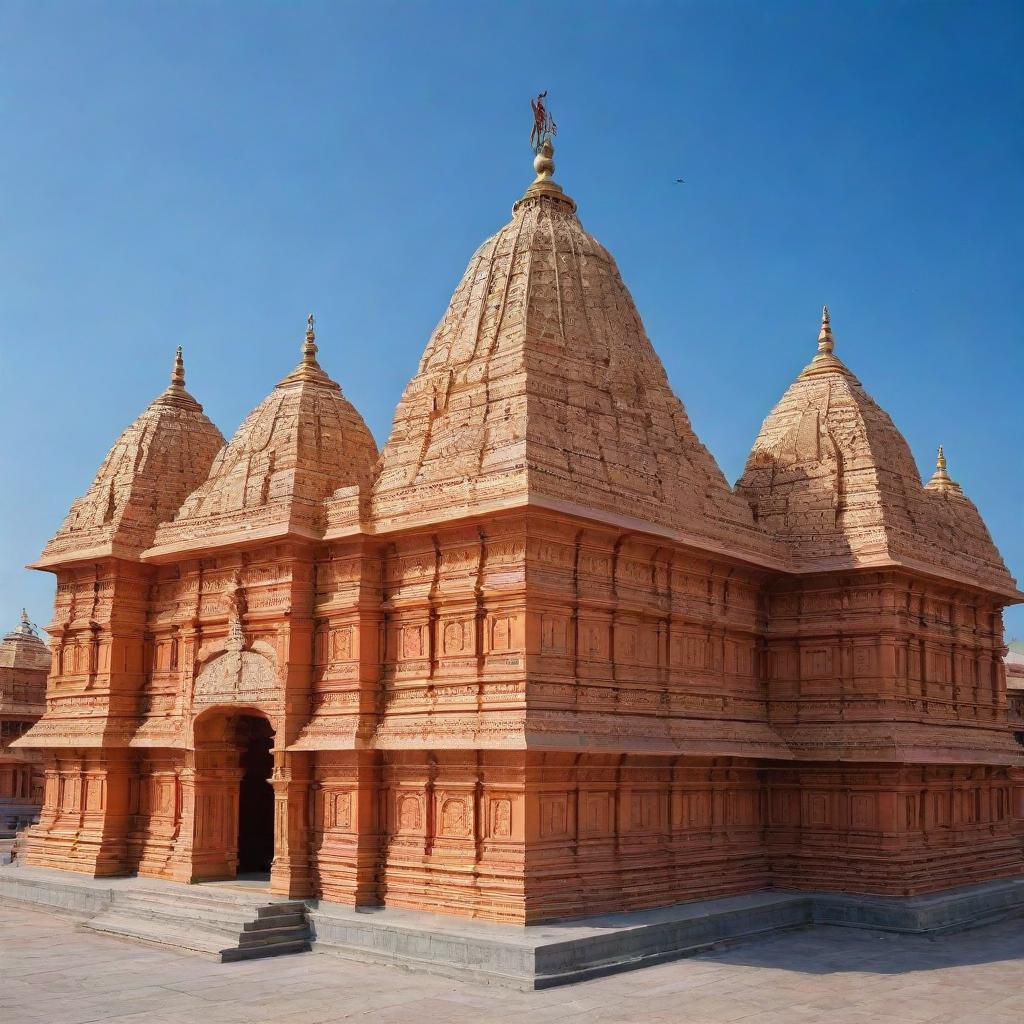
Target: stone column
point(101, 846)
point(346, 831)
point(179, 865)
point(214, 833)
point(159, 827)
point(291, 875)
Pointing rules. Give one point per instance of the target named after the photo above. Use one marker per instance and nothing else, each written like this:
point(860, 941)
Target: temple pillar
point(292, 874)
point(110, 786)
point(159, 819)
point(346, 827)
point(179, 864)
point(88, 814)
point(215, 834)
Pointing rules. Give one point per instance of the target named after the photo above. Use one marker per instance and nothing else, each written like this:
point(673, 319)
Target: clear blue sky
point(207, 173)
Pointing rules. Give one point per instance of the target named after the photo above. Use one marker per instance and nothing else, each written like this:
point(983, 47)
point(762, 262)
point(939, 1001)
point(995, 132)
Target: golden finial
point(544, 128)
point(309, 348)
point(309, 369)
point(544, 156)
point(825, 360)
point(544, 162)
point(178, 372)
point(941, 480)
point(826, 343)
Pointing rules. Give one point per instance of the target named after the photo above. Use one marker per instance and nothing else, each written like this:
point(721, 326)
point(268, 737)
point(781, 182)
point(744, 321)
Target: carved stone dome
point(152, 466)
point(539, 386)
point(23, 648)
point(300, 444)
point(833, 479)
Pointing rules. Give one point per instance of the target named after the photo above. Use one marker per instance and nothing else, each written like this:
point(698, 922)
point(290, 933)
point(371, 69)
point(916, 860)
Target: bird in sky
point(679, 181)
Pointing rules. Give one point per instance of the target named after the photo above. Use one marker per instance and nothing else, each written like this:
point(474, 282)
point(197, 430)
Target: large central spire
point(539, 386)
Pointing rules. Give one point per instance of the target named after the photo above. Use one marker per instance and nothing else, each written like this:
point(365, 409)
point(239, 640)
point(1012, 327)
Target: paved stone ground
point(53, 973)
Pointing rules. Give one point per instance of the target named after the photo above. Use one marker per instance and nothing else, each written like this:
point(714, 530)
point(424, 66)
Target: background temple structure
point(24, 666)
point(536, 658)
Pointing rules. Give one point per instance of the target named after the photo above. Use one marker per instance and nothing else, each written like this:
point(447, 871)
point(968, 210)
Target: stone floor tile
point(55, 973)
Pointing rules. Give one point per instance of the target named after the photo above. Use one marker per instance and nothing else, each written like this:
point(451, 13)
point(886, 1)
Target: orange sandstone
point(24, 665)
point(538, 659)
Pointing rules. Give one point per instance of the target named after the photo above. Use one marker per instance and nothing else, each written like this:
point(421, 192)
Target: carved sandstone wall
point(539, 659)
point(24, 663)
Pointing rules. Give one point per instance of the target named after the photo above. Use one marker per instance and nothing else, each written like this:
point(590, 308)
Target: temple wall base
point(519, 837)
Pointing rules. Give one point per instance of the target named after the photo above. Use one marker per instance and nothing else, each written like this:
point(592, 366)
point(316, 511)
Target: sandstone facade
point(538, 658)
point(24, 666)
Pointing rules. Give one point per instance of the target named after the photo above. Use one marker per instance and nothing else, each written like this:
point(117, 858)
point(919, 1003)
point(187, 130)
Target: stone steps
point(156, 933)
point(201, 896)
point(227, 929)
point(232, 925)
point(280, 921)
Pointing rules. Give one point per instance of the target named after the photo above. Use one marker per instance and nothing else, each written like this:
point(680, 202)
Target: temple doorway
point(233, 820)
point(255, 738)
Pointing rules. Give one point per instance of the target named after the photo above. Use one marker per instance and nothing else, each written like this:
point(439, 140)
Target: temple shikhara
point(24, 666)
point(535, 658)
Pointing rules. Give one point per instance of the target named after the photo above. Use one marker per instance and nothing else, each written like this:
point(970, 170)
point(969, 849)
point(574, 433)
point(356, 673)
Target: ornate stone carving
point(501, 818)
point(302, 443)
point(143, 480)
point(237, 674)
point(455, 817)
point(543, 606)
point(410, 815)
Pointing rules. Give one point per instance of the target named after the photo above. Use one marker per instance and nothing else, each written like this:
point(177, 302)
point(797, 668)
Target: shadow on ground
point(826, 949)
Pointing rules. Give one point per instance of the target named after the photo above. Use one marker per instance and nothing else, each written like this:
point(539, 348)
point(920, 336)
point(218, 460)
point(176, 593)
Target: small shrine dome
point(146, 475)
point(24, 648)
point(833, 480)
point(303, 442)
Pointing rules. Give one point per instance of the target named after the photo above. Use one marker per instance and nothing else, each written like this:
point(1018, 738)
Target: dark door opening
point(255, 796)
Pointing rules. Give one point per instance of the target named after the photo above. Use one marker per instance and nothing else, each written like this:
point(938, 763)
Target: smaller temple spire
point(941, 480)
point(825, 359)
point(25, 627)
point(308, 369)
point(826, 343)
point(175, 395)
point(178, 371)
point(309, 348)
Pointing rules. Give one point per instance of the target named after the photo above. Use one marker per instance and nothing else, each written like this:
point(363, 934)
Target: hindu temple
point(535, 658)
point(24, 666)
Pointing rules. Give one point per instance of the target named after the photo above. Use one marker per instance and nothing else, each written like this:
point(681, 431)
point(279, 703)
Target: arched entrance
point(233, 796)
point(255, 795)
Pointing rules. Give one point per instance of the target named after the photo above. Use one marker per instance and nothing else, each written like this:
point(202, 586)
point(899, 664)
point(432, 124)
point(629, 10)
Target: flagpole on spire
point(544, 128)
